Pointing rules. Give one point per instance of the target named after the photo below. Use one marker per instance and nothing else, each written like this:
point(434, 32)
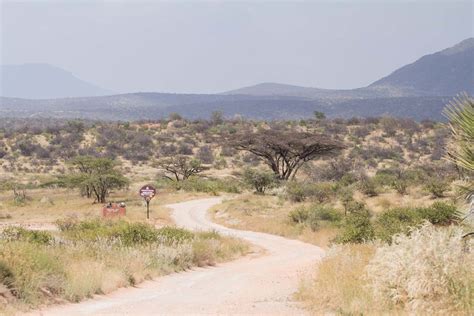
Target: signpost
point(147, 192)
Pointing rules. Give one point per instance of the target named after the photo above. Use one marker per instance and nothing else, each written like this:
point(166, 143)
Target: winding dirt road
point(261, 285)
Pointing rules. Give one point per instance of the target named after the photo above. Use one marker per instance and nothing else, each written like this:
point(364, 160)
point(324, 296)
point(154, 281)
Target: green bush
point(174, 235)
point(319, 192)
point(314, 215)
point(260, 180)
point(299, 215)
point(319, 214)
point(213, 186)
point(400, 185)
point(395, 221)
point(127, 233)
point(437, 188)
point(441, 213)
point(401, 220)
point(356, 228)
point(296, 191)
point(13, 233)
point(368, 186)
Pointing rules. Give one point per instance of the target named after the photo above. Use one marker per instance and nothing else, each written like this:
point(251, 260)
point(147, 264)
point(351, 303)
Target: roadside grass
point(429, 272)
point(47, 205)
point(96, 257)
point(268, 214)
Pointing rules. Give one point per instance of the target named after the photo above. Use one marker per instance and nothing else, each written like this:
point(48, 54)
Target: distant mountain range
point(418, 90)
point(444, 73)
point(43, 81)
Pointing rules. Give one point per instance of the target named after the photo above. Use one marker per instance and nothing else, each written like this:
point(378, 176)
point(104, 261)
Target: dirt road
point(260, 284)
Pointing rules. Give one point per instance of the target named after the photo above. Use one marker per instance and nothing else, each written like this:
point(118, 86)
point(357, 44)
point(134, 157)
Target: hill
point(43, 81)
point(447, 72)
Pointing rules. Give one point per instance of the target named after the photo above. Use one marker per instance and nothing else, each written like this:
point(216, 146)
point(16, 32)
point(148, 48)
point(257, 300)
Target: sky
point(208, 47)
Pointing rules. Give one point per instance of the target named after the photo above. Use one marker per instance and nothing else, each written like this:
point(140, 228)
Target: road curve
point(258, 285)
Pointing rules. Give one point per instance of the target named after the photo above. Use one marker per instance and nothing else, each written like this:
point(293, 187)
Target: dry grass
point(339, 286)
point(78, 269)
point(429, 272)
point(268, 214)
point(48, 205)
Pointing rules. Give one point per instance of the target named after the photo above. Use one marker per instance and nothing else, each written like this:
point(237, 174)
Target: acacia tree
point(95, 177)
point(180, 167)
point(286, 152)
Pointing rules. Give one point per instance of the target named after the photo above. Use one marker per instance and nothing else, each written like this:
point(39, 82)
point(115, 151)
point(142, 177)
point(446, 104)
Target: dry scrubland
point(386, 206)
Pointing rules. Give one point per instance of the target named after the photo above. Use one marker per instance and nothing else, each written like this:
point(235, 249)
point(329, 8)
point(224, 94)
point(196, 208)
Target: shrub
point(368, 186)
point(208, 185)
point(319, 213)
point(437, 188)
point(299, 192)
point(427, 272)
point(395, 221)
point(260, 180)
point(173, 235)
point(13, 233)
point(440, 213)
point(299, 215)
point(295, 191)
point(113, 230)
point(356, 228)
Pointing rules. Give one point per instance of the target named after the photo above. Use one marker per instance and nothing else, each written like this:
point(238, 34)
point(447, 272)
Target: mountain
point(447, 72)
point(419, 91)
point(43, 81)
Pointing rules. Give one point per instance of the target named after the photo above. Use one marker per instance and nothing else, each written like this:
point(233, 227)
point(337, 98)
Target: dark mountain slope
point(447, 72)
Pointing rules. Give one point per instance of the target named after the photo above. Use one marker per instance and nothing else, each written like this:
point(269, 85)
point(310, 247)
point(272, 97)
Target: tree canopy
point(286, 152)
point(95, 177)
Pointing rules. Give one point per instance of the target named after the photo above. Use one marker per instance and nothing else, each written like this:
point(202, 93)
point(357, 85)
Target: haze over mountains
point(43, 81)
point(418, 90)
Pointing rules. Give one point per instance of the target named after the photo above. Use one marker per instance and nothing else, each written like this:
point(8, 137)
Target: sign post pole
point(147, 209)
point(147, 192)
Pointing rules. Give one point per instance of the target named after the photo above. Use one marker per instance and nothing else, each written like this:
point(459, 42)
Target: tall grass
point(95, 257)
point(430, 271)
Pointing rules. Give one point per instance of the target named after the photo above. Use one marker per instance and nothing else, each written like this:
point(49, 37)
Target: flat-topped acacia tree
point(286, 152)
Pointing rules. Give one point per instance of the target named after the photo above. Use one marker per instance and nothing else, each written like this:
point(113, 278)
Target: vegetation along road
point(258, 284)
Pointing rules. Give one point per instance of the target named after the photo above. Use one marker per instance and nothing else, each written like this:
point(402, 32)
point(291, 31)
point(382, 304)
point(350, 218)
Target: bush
point(319, 213)
point(295, 191)
point(441, 213)
point(395, 221)
point(356, 228)
point(437, 188)
point(314, 215)
point(260, 180)
point(13, 233)
point(368, 186)
point(208, 185)
point(113, 230)
point(319, 192)
point(173, 235)
point(299, 215)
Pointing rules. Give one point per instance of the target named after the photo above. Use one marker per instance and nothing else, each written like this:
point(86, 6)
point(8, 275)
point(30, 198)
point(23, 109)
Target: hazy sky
point(216, 46)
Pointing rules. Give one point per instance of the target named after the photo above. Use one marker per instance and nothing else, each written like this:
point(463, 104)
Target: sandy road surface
point(258, 285)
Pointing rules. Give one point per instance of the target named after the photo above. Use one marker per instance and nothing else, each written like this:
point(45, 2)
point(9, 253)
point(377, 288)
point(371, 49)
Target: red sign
point(147, 192)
